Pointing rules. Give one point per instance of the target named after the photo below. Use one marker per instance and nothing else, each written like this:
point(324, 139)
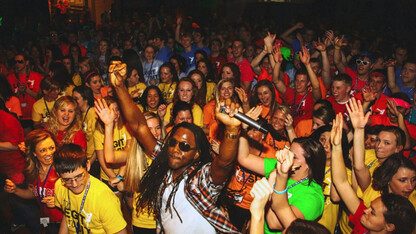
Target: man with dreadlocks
point(183, 183)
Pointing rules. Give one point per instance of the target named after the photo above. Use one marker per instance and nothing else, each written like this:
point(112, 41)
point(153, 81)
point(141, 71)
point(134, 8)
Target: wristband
point(120, 177)
point(230, 135)
point(279, 192)
point(337, 47)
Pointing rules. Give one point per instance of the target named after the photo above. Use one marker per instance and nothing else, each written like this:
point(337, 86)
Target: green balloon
point(286, 52)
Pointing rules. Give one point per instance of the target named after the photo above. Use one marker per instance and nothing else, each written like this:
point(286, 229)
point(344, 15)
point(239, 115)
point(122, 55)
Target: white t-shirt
point(192, 220)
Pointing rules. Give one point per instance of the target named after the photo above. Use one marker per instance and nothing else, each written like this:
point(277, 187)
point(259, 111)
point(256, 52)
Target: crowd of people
point(142, 117)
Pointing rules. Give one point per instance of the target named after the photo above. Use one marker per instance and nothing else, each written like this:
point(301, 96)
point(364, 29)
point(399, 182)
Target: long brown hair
point(34, 137)
point(73, 128)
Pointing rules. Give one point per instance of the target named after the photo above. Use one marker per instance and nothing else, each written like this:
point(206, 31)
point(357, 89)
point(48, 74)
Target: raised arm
point(286, 35)
point(107, 116)
point(261, 192)
point(339, 172)
point(131, 113)
point(289, 128)
point(280, 85)
point(304, 58)
point(325, 74)
point(222, 165)
point(282, 214)
point(391, 76)
point(178, 29)
point(401, 122)
point(11, 187)
point(338, 43)
point(358, 121)
point(268, 47)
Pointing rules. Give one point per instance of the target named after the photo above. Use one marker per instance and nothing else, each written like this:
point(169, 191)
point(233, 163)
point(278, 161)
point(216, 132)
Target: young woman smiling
point(65, 122)
point(41, 175)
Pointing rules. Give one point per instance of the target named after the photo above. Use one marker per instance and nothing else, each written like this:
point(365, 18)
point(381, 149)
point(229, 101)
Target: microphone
point(247, 120)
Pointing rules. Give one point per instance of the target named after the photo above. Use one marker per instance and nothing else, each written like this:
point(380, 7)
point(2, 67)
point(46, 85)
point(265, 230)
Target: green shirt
point(308, 198)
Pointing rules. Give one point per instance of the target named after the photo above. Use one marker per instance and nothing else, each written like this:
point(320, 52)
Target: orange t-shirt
point(304, 128)
point(13, 104)
point(242, 180)
point(276, 145)
point(209, 113)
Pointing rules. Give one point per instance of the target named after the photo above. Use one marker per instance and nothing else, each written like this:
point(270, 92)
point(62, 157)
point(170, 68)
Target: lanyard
point(300, 103)
point(43, 187)
point(86, 113)
point(300, 181)
point(46, 105)
point(327, 171)
point(371, 163)
point(77, 227)
point(356, 84)
point(249, 175)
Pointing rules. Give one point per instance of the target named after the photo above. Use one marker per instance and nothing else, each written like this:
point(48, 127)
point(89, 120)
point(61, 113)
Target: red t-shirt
point(355, 219)
point(380, 105)
point(47, 190)
point(79, 138)
point(384, 120)
point(357, 84)
point(32, 83)
point(338, 107)
point(11, 162)
point(301, 105)
point(217, 62)
point(247, 73)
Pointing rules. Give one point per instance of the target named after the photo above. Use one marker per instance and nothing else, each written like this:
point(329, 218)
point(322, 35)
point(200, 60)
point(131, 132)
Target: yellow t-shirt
point(40, 111)
point(330, 214)
point(371, 162)
point(68, 90)
point(139, 88)
point(101, 212)
point(142, 109)
point(76, 79)
point(89, 120)
point(210, 91)
point(167, 90)
point(143, 220)
point(197, 114)
point(120, 138)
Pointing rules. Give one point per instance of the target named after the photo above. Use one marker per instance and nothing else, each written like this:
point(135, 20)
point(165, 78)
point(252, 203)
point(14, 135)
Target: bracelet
point(279, 192)
point(337, 47)
point(230, 135)
point(119, 177)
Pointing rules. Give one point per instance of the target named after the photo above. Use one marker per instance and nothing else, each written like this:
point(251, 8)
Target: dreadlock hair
point(154, 179)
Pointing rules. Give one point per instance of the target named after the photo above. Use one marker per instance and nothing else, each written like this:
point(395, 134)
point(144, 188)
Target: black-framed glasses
point(19, 61)
point(77, 178)
point(183, 146)
point(365, 63)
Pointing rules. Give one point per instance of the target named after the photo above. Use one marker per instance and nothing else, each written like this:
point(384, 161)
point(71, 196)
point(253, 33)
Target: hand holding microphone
point(249, 118)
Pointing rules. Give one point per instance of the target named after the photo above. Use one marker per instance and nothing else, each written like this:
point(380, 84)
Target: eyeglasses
point(19, 61)
point(77, 178)
point(183, 146)
point(365, 63)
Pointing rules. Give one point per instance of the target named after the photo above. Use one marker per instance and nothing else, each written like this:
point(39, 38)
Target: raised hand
point(284, 161)
point(304, 55)
point(241, 94)
point(289, 121)
point(261, 192)
point(231, 108)
point(299, 25)
point(339, 41)
point(369, 95)
point(253, 113)
point(391, 105)
point(277, 55)
point(356, 112)
point(390, 63)
point(161, 111)
point(336, 132)
point(319, 45)
point(268, 41)
point(118, 73)
point(106, 114)
point(329, 34)
point(22, 146)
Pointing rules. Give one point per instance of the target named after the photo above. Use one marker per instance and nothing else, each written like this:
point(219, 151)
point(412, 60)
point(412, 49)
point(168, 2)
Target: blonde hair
point(74, 127)
point(136, 164)
point(283, 108)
